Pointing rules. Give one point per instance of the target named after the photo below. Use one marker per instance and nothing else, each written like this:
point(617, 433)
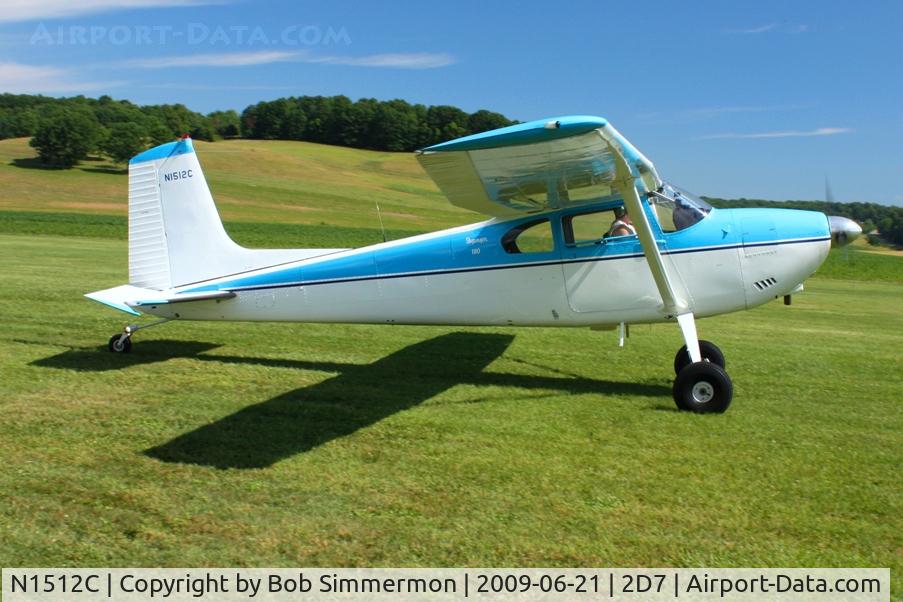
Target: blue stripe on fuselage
point(479, 248)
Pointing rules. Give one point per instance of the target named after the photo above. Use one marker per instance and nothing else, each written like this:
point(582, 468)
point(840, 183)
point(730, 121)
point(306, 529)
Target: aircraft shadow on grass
point(260, 435)
point(98, 359)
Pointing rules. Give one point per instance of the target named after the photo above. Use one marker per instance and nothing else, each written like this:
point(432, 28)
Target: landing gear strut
point(702, 385)
point(121, 342)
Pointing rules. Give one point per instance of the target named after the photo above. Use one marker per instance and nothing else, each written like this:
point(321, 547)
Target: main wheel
point(703, 387)
point(120, 344)
point(710, 353)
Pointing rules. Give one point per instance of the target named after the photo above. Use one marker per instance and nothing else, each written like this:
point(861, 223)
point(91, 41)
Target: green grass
point(850, 263)
point(274, 445)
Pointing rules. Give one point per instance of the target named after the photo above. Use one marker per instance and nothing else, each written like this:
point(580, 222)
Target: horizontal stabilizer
point(127, 297)
point(184, 297)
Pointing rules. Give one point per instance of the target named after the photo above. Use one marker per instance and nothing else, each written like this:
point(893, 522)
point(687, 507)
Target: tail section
point(176, 236)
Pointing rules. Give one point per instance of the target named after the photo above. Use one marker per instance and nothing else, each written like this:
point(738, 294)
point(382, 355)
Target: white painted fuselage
point(731, 260)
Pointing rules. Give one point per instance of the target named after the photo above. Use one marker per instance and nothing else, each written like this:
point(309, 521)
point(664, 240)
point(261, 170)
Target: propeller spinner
point(843, 230)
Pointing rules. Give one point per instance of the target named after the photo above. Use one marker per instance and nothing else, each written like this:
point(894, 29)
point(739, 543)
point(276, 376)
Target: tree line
point(393, 125)
point(66, 130)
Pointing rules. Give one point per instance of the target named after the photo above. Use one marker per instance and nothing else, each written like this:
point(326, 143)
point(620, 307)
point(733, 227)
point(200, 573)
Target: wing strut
point(628, 177)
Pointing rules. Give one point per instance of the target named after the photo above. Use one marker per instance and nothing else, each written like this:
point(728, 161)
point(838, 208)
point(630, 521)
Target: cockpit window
point(529, 237)
point(677, 209)
point(588, 228)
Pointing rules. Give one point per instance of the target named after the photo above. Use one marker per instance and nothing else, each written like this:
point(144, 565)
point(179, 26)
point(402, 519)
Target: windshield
point(677, 209)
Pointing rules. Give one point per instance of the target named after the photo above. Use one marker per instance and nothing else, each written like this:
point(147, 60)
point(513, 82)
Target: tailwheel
point(703, 387)
point(710, 353)
point(120, 343)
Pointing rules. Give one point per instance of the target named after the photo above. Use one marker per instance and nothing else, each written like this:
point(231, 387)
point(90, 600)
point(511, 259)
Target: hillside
point(252, 180)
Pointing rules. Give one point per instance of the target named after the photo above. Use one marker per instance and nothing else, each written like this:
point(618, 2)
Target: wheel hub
point(703, 392)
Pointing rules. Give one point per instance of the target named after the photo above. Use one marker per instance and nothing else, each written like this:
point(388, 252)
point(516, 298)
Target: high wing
point(552, 164)
point(535, 166)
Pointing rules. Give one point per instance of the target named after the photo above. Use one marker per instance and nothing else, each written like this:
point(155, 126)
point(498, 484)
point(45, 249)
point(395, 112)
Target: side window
point(529, 237)
point(587, 228)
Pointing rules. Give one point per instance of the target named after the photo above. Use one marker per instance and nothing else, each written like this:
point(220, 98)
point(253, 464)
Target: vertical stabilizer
point(176, 236)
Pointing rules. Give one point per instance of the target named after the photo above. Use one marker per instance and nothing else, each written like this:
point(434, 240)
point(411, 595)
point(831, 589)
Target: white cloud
point(709, 111)
point(17, 78)
point(228, 59)
point(770, 27)
point(176, 86)
point(783, 134)
point(240, 59)
point(725, 112)
point(32, 10)
point(754, 30)
point(421, 60)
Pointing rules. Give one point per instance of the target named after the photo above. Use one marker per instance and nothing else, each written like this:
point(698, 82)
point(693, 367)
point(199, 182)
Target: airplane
point(550, 188)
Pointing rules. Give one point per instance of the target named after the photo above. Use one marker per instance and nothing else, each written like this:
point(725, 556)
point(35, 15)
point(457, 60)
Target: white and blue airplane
point(552, 189)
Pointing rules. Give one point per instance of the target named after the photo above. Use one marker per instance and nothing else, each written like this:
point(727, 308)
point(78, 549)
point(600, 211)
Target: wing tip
point(522, 133)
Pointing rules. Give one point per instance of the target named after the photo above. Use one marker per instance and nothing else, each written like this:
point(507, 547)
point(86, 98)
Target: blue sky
point(758, 99)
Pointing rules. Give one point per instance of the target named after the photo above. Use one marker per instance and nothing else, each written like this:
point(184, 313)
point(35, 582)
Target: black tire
point(118, 344)
point(710, 353)
point(704, 388)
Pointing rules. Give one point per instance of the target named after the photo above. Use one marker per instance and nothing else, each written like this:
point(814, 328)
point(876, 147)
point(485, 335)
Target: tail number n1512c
point(178, 175)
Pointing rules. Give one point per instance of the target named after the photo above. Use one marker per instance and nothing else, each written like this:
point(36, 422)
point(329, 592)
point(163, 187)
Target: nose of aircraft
point(843, 230)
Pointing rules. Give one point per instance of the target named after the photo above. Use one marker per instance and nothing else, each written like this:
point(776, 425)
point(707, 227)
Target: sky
point(755, 99)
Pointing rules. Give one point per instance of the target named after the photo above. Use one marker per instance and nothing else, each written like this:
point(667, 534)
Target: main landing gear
point(121, 342)
point(702, 387)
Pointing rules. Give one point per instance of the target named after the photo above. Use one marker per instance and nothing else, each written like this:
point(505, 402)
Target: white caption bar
point(192, 585)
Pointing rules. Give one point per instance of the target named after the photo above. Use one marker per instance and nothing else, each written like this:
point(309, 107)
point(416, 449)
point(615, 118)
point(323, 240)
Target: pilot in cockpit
point(622, 226)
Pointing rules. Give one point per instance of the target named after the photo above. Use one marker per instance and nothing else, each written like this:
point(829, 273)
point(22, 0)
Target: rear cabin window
point(529, 237)
point(587, 228)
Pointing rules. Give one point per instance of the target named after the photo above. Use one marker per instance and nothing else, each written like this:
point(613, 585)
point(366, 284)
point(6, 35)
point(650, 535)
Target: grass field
point(275, 445)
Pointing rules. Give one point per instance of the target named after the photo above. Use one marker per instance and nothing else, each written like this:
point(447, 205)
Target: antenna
point(380, 216)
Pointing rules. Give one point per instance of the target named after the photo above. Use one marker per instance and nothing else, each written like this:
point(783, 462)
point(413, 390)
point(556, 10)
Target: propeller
point(843, 229)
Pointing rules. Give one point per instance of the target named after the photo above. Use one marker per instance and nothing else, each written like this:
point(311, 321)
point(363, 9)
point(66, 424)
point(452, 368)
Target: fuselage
point(479, 275)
